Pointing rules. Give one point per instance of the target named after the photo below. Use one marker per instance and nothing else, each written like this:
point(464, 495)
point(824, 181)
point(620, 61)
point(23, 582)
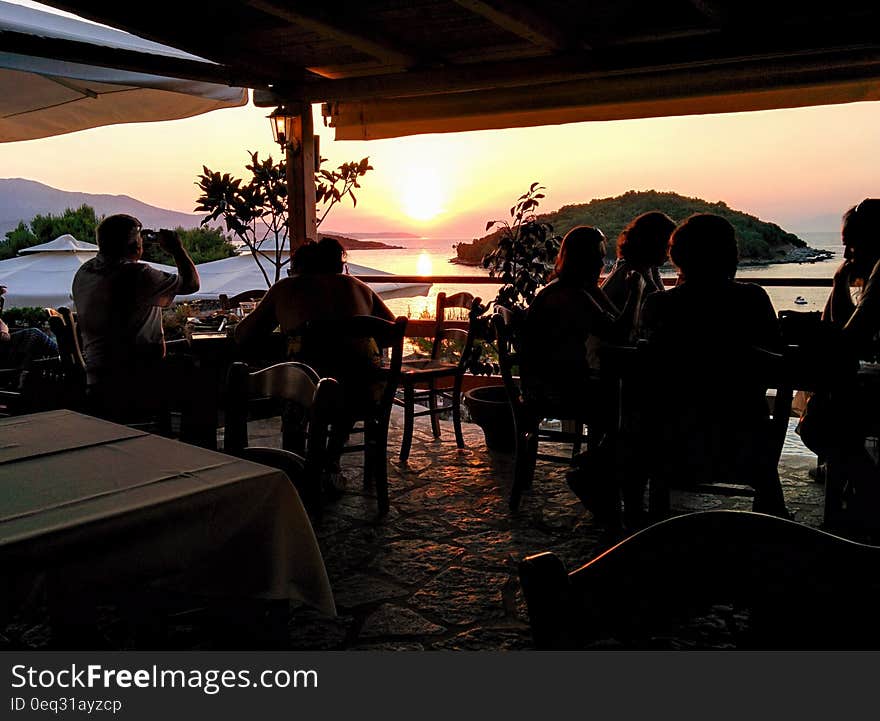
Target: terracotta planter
point(490, 409)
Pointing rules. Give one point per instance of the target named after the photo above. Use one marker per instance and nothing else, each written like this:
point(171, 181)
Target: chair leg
point(408, 418)
point(381, 471)
point(576, 443)
point(456, 412)
point(432, 406)
point(524, 462)
point(369, 457)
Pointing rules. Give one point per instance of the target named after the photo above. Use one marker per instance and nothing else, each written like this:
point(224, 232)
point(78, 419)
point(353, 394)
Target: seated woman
point(569, 317)
point(562, 331)
point(848, 401)
point(319, 292)
point(703, 334)
point(643, 246)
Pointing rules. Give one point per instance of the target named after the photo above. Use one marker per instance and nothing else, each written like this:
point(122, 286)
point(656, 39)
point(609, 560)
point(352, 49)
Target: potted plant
point(523, 261)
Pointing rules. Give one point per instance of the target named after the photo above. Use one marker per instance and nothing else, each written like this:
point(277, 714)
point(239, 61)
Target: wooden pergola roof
point(385, 68)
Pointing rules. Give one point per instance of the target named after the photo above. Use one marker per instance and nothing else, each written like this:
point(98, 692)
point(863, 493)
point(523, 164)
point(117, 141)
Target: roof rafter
point(520, 20)
point(378, 48)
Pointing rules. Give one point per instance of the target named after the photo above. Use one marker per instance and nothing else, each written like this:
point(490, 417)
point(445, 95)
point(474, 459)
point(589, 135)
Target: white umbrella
point(41, 97)
point(240, 273)
point(42, 275)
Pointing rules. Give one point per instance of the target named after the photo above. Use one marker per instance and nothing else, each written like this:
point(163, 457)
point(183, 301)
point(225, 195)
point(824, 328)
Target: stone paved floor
point(440, 571)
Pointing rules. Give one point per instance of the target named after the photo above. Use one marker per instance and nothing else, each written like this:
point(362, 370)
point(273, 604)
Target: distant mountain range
point(21, 200)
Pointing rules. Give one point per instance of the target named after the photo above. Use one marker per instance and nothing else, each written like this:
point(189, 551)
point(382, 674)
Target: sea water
point(435, 253)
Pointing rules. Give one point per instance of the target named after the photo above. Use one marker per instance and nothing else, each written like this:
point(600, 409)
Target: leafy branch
point(256, 211)
point(525, 254)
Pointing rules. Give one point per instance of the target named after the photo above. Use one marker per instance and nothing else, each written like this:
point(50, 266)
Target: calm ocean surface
point(436, 252)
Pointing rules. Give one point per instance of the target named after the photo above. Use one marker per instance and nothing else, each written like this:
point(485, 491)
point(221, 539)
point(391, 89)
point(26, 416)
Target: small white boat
point(800, 300)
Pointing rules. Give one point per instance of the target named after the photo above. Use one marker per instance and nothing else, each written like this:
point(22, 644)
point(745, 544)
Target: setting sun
point(423, 264)
point(422, 194)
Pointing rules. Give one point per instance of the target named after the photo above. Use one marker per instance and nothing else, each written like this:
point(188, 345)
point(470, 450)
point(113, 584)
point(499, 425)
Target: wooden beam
point(457, 78)
point(732, 86)
point(375, 47)
point(300, 159)
point(521, 20)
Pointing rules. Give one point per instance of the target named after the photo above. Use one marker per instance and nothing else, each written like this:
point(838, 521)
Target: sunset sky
point(800, 168)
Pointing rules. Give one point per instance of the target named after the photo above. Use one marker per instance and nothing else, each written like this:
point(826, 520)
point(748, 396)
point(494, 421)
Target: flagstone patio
point(440, 571)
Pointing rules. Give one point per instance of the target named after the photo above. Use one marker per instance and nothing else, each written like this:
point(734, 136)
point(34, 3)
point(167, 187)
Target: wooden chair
point(528, 414)
point(649, 396)
point(796, 586)
point(430, 371)
point(368, 393)
point(64, 326)
point(312, 412)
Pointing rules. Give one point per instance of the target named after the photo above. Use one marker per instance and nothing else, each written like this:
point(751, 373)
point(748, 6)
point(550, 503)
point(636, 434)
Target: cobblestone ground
point(440, 571)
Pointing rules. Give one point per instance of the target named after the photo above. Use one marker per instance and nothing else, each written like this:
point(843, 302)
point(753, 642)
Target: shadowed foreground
point(440, 572)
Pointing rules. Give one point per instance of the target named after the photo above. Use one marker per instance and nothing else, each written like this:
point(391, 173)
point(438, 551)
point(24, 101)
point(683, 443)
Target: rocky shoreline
point(795, 255)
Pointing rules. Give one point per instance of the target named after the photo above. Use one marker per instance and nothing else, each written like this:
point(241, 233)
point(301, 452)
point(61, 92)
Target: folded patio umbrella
point(42, 96)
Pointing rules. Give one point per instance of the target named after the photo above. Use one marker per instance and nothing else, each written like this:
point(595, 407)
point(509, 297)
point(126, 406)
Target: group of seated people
point(700, 330)
point(702, 335)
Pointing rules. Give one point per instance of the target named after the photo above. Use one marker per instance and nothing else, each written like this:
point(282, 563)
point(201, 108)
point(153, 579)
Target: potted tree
point(523, 261)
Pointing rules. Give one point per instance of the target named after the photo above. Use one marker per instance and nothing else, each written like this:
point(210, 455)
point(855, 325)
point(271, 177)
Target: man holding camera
point(119, 303)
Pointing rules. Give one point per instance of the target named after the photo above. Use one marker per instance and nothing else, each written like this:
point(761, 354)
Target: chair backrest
point(298, 384)
point(329, 340)
point(64, 326)
point(695, 410)
point(71, 385)
point(508, 354)
point(311, 412)
point(227, 303)
point(445, 335)
point(797, 586)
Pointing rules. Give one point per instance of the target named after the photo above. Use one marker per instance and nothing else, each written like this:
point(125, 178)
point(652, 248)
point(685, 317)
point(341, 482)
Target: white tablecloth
point(107, 505)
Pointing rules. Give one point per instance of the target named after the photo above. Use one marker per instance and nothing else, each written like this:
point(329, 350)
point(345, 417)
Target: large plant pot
point(490, 409)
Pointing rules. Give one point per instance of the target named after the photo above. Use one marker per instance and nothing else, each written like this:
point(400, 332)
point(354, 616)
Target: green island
point(759, 241)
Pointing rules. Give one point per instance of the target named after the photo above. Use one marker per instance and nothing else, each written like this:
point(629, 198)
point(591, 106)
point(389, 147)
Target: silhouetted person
point(572, 314)
point(119, 302)
point(643, 246)
point(563, 329)
point(320, 292)
point(715, 419)
point(859, 321)
point(305, 259)
point(837, 420)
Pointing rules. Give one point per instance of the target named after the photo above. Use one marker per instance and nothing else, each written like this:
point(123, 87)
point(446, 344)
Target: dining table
point(102, 505)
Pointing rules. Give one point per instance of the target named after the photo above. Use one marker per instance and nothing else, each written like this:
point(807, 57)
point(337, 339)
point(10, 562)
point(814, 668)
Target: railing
point(486, 280)
point(425, 328)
